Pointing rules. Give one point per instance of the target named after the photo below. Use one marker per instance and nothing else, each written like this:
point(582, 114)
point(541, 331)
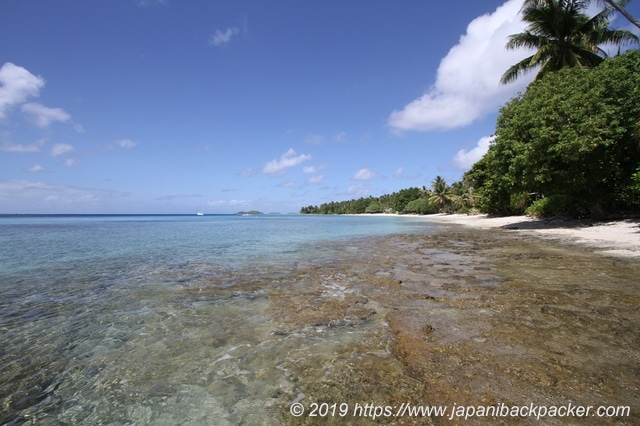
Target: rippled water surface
point(157, 319)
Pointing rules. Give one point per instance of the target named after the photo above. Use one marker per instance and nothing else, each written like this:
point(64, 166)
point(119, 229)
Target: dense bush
point(572, 140)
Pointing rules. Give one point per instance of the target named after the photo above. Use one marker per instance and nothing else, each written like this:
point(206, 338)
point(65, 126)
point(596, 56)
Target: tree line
point(441, 197)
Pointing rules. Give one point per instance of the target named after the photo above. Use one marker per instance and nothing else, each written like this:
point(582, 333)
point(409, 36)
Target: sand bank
point(618, 238)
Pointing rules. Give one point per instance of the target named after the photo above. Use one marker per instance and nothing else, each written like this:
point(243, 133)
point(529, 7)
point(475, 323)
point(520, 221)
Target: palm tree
point(441, 193)
point(619, 6)
point(462, 195)
point(563, 36)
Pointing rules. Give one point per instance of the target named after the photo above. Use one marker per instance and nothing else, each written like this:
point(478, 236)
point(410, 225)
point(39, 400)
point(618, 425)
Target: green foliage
point(420, 206)
point(404, 197)
point(443, 198)
point(572, 134)
point(440, 193)
point(374, 207)
point(557, 205)
point(564, 36)
point(631, 193)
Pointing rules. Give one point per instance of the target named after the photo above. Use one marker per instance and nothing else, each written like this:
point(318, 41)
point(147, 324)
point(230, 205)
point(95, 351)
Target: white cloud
point(36, 168)
point(340, 137)
point(172, 197)
point(468, 85)
point(399, 173)
point(69, 162)
point(358, 191)
point(223, 37)
point(143, 3)
point(287, 184)
point(234, 202)
point(314, 139)
point(26, 193)
point(287, 160)
point(314, 180)
point(125, 143)
point(314, 169)
point(60, 149)
point(19, 148)
point(16, 86)
point(364, 174)
point(43, 116)
point(465, 159)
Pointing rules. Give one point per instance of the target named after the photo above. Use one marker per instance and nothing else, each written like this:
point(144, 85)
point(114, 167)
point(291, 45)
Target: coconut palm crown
point(563, 36)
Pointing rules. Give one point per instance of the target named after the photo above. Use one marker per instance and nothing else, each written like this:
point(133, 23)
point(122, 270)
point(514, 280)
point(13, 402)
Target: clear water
point(155, 319)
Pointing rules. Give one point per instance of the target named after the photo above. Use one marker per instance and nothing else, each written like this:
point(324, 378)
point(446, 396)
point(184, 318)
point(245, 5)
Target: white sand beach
point(618, 238)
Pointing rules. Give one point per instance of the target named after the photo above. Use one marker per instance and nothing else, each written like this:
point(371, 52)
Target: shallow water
point(164, 320)
point(156, 319)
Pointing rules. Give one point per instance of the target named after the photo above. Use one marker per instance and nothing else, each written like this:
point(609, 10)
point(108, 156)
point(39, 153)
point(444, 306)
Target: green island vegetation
point(569, 145)
point(250, 212)
point(440, 198)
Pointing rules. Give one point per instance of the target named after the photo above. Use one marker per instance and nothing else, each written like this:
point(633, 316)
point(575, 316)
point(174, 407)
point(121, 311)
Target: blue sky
point(164, 106)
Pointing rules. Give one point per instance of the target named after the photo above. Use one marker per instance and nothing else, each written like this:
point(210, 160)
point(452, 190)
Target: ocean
point(162, 319)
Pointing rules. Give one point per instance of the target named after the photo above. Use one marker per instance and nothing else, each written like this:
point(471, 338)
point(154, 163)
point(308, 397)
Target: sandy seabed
point(504, 312)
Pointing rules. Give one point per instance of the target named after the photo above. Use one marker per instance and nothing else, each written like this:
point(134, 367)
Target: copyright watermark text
point(454, 411)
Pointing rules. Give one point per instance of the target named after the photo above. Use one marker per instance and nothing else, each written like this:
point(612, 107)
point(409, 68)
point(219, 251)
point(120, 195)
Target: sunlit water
point(155, 319)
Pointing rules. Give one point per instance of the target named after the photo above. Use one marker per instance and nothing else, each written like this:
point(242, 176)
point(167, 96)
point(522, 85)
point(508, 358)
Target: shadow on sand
point(565, 222)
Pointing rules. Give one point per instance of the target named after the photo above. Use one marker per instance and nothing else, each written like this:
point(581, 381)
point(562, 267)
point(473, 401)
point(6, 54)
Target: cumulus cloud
point(465, 159)
point(16, 86)
point(220, 38)
point(43, 116)
point(287, 160)
point(467, 85)
point(364, 174)
point(60, 149)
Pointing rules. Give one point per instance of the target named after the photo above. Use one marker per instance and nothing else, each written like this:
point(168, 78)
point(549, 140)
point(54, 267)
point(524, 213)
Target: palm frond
point(563, 36)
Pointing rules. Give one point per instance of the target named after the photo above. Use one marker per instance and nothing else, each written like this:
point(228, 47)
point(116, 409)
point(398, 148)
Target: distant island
point(250, 212)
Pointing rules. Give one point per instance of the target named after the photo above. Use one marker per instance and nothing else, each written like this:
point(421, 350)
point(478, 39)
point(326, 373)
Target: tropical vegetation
point(569, 144)
point(440, 198)
point(563, 35)
point(619, 6)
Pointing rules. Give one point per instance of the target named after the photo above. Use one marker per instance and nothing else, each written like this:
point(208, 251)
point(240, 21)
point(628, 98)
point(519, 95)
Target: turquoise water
point(153, 319)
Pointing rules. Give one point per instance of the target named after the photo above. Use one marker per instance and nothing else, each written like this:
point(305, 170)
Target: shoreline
point(615, 238)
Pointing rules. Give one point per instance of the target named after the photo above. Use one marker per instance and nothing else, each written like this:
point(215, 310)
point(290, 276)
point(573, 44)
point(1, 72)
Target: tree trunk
point(624, 12)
